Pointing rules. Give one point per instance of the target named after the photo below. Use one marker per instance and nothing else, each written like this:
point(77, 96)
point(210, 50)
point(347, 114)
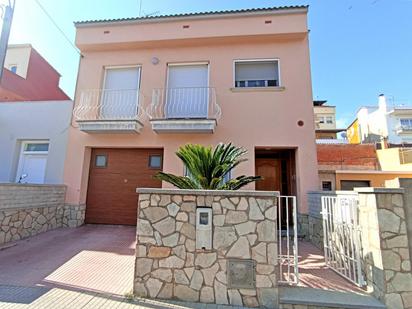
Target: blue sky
point(359, 48)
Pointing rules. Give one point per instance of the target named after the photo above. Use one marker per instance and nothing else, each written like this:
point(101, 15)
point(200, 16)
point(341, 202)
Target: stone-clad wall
point(168, 266)
point(27, 210)
point(385, 251)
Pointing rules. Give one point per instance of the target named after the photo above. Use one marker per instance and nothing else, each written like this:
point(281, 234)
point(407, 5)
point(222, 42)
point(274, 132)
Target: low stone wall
point(406, 184)
point(168, 265)
point(27, 210)
point(385, 252)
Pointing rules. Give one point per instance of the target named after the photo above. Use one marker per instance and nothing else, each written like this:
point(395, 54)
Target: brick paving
point(93, 266)
point(91, 258)
point(313, 272)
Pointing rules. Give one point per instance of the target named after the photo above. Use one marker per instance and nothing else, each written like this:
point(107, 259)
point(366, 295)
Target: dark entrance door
point(277, 168)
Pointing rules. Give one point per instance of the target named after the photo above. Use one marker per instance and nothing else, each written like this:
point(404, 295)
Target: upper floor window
point(326, 119)
point(256, 73)
point(407, 122)
point(119, 96)
point(13, 68)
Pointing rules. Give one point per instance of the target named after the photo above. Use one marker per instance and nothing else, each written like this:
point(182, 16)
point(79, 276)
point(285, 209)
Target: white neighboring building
point(33, 140)
point(393, 123)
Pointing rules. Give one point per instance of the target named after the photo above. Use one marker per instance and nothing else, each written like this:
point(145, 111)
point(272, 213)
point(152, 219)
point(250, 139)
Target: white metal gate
point(341, 235)
point(288, 240)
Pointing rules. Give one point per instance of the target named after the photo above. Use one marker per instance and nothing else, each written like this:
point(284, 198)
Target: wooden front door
point(275, 170)
point(114, 176)
point(270, 170)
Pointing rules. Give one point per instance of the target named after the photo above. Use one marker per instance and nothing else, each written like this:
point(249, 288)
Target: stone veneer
point(168, 266)
point(27, 210)
point(385, 251)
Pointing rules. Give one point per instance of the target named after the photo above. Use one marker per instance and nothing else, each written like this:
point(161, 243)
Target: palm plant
point(207, 168)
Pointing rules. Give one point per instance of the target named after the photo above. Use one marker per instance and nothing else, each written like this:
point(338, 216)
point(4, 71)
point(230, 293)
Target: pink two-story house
point(149, 85)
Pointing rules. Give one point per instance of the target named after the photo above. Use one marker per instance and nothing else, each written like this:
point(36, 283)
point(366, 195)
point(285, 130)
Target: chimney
point(382, 103)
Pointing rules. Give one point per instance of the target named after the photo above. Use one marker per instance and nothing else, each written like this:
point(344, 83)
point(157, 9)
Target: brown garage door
point(114, 176)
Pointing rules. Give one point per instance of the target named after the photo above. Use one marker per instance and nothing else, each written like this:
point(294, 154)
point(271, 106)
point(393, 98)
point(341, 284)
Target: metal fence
point(184, 103)
point(288, 240)
point(342, 243)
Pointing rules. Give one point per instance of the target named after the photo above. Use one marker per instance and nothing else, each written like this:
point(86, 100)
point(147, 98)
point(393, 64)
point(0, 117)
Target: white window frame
point(182, 64)
point(114, 67)
point(171, 64)
point(256, 60)
point(24, 152)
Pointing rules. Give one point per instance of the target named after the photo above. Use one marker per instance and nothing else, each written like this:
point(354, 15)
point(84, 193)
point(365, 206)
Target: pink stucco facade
point(252, 118)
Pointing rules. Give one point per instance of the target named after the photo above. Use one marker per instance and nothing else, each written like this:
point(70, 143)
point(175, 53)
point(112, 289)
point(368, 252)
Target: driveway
point(87, 267)
point(91, 258)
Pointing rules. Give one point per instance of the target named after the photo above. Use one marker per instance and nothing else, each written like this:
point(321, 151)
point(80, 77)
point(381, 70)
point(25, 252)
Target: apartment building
point(384, 122)
point(325, 120)
point(27, 76)
point(149, 85)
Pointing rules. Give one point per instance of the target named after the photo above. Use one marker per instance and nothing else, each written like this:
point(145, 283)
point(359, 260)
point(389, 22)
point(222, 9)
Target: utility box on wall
point(204, 228)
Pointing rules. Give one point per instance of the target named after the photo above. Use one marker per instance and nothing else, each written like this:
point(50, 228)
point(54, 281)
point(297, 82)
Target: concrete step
point(326, 298)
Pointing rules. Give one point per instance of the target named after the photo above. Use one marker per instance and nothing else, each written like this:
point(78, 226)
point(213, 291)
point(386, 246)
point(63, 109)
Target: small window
point(349, 185)
point(101, 161)
point(203, 218)
point(249, 74)
point(13, 68)
point(155, 161)
point(329, 120)
point(326, 185)
point(321, 120)
point(406, 122)
point(36, 147)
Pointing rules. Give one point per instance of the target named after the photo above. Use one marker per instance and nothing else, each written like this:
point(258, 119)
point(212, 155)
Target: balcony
point(109, 111)
point(184, 110)
point(404, 129)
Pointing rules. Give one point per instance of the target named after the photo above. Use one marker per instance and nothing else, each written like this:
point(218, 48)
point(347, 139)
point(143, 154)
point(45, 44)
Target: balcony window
point(257, 73)
point(119, 97)
point(187, 92)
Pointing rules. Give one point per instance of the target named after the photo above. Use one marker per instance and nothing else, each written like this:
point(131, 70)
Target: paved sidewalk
point(94, 258)
point(12, 297)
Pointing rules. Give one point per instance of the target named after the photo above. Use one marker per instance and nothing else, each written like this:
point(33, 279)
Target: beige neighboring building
point(395, 159)
point(325, 120)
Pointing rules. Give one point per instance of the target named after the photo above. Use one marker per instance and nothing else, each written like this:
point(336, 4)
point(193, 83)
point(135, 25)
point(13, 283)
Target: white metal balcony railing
point(184, 103)
point(404, 128)
point(105, 105)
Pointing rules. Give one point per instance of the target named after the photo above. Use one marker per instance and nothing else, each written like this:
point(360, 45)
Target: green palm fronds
point(207, 168)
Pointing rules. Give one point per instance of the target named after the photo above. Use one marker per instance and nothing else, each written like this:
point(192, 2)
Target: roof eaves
point(281, 9)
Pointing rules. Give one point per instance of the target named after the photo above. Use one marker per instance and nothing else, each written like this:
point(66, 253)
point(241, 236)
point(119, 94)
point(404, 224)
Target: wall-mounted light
point(155, 60)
